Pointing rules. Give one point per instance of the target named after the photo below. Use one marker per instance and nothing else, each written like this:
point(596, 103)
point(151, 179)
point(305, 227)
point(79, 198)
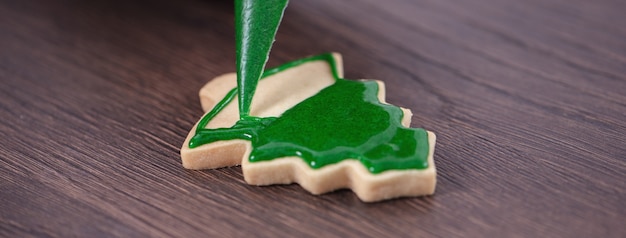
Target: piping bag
point(256, 23)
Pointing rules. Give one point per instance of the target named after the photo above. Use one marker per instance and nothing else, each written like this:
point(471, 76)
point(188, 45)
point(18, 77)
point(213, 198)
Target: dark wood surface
point(528, 99)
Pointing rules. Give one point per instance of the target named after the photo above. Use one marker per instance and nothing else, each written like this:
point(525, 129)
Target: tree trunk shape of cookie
point(256, 24)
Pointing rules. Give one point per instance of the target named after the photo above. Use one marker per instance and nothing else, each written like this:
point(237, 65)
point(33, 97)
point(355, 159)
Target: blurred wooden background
point(528, 99)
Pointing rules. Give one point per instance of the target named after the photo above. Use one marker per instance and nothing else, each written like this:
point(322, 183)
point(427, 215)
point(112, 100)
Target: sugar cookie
point(310, 126)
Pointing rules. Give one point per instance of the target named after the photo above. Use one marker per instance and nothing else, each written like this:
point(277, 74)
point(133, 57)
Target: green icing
point(343, 121)
point(256, 25)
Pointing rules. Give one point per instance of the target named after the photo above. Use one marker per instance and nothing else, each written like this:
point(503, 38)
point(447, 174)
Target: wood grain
point(528, 100)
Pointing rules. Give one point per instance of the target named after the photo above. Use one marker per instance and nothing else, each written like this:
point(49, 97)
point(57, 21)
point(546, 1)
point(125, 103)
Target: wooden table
point(528, 99)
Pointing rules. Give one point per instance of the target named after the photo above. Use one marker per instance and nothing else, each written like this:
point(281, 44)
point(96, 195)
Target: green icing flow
point(343, 121)
point(257, 23)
